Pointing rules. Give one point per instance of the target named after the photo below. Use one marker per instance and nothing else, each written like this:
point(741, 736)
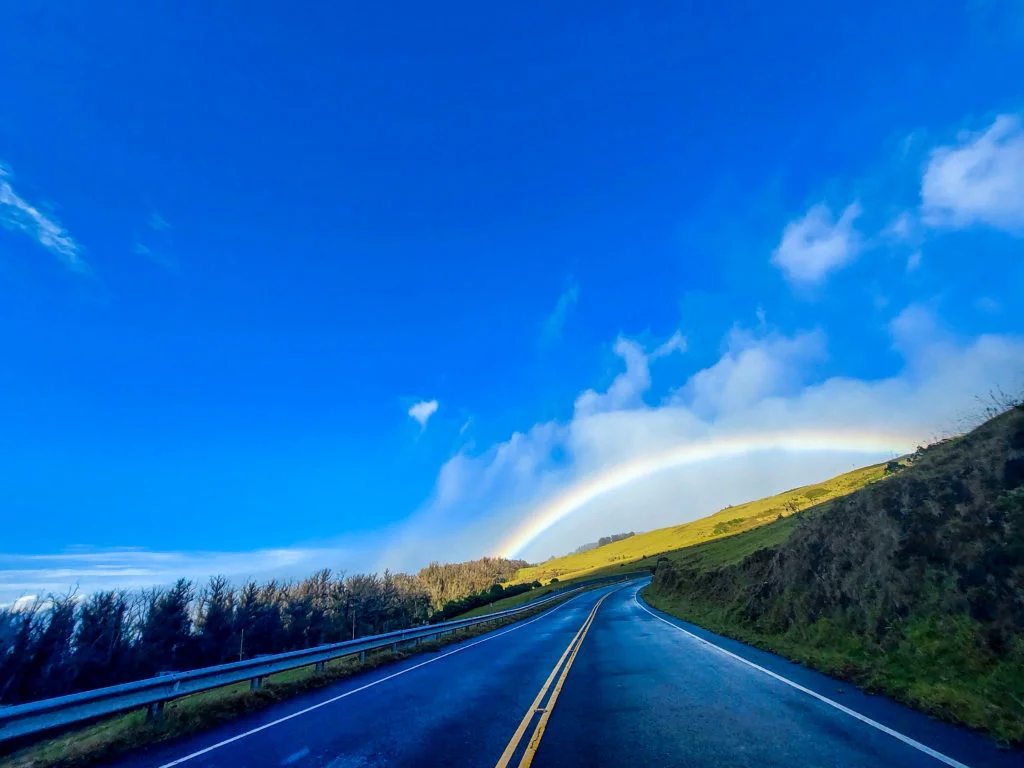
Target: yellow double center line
point(560, 671)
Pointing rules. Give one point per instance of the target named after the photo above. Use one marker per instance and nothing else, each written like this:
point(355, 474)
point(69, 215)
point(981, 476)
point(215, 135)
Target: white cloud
point(551, 329)
point(18, 215)
point(157, 222)
point(901, 229)
point(753, 369)
point(816, 245)
point(422, 411)
point(675, 343)
point(914, 329)
point(22, 577)
point(764, 383)
point(913, 261)
point(978, 180)
point(628, 387)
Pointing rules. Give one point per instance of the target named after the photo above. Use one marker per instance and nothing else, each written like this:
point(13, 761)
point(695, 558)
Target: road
point(601, 680)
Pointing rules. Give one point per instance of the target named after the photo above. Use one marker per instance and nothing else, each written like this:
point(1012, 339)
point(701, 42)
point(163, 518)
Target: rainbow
point(582, 493)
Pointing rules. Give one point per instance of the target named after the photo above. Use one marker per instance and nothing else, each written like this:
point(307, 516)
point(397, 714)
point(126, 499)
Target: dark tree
point(166, 633)
point(217, 641)
point(60, 645)
point(52, 668)
point(102, 653)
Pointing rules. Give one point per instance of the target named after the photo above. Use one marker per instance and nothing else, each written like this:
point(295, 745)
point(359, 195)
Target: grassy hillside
point(913, 586)
point(727, 523)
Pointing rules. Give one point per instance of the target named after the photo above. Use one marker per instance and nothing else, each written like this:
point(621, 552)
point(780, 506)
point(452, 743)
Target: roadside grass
point(505, 603)
point(936, 664)
point(909, 587)
point(645, 548)
point(200, 711)
point(727, 550)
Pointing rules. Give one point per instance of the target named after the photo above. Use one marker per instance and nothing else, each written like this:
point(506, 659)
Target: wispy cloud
point(978, 180)
point(675, 343)
point(763, 383)
point(422, 411)
point(156, 244)
point(766, 382)
point(900, 230)
point(817, 244)
point(18, 215)
point(25, 576)
point(157, 255)
point(988, 305)
point(554, 324)
point(157, 222)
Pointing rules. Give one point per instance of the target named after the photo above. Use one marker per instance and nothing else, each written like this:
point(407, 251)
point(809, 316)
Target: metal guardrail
point(39, 716)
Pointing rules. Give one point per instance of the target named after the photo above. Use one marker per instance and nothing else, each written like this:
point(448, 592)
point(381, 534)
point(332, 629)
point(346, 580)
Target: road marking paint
point(824, 699)
point(333, 699)
point(535, 707)
point(545, 712)
point(542, 724)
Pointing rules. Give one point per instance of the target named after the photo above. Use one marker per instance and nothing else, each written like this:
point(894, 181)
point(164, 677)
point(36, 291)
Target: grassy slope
point(643, 549)
point(913, 586)
point(510, 602)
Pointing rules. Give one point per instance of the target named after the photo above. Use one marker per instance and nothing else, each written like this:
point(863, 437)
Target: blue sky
point(305, 285)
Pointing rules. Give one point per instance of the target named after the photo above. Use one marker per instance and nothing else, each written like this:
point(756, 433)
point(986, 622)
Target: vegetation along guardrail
point(39, 716)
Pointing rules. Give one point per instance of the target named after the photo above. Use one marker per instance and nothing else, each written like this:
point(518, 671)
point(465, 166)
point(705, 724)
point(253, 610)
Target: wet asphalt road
point(620, 686)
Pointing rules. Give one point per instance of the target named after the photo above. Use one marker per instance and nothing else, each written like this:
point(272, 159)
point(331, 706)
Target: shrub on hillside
point(917, 581)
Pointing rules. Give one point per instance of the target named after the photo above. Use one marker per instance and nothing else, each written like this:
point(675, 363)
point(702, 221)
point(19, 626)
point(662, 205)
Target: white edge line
point(263, 727)
point(873, 723)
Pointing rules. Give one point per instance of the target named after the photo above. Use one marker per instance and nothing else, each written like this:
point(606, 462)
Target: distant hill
point(913, 585)
point(602, 542)
point(727, 522)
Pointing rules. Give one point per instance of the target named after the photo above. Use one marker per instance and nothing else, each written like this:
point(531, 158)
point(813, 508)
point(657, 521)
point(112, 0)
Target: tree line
point(69, 643)
point(602, 541)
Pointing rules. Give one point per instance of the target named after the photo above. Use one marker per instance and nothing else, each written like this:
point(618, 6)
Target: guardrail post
point(362, 655)
point(255, 683)
point(155, 711)
point(319, 667)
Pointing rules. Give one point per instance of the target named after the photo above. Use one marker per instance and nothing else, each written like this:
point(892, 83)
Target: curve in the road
point(633, 687)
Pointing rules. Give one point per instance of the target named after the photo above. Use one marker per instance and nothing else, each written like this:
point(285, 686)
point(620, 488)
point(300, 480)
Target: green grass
point(644, 548)
point(510, 602)
point(908, 587)
point(188, 714)
point(124, 733)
